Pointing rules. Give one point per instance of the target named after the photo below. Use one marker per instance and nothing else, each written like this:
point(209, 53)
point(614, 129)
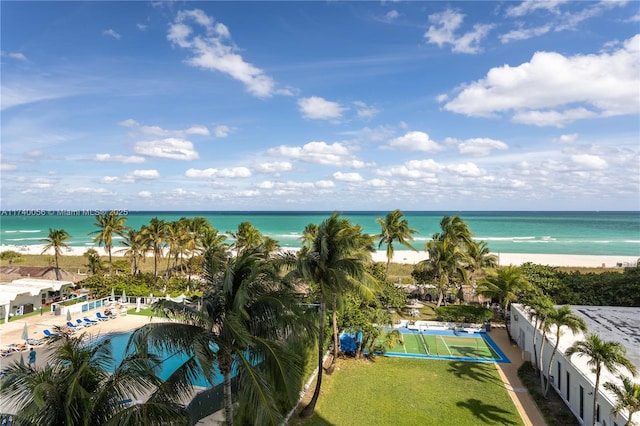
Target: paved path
point(527, 407)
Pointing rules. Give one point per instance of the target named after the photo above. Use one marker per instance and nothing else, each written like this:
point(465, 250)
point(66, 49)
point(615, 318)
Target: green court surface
point(446, 345)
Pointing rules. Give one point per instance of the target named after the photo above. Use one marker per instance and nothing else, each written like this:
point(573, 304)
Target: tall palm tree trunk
point(110, 261)
point(334, 319)
point(595, 393)
point(308, 410)
point(225, 369)
point(553, 354)
point(535, 338)
point(544, 337)
point(57, 267)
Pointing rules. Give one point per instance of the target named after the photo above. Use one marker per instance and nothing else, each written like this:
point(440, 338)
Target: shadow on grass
point(486, 413)
point(472, 370)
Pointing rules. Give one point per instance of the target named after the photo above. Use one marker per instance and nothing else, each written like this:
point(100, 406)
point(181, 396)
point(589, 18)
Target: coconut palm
point(505, 285)
point(94, 262)
point(153, 236)
point(134, 248)
point(455, 230)
point(628, 396)
point(561, 317)
point(539, 306)
point(446, 266)
point(82, 385)
point(246, 315)
point(247, 237)
point(109, 223)
point(334, 262)
point(56, 240)
point(601, 354)
point(481, 260)
point(394, 228)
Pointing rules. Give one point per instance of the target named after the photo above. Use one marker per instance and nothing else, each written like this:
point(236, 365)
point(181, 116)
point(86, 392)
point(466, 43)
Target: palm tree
point(134, 248)
point(109, 223)
point(82, 385)
point(446, 265)
point(56, 240)
point(94, 262)
point(610, 355)
point(455, 229)
point(561, 317)
point(539, 307)
point(481, 260)
point(247, 237)
point(628, 396)
point(394, 228)
point(247, 314)
point(334, 261)
point(154, 236)
point(506, 285)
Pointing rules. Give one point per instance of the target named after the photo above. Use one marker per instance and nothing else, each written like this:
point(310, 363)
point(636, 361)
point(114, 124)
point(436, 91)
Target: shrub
point(464, 313)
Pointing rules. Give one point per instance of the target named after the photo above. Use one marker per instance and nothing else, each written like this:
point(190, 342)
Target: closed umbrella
point(138, 302)
point(113, 294)
point(25, 332)
point(21, 361)
point(68, 315)
point(124, 297)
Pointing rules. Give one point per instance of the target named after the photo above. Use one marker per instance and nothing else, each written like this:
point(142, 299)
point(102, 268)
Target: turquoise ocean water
point(589, 233)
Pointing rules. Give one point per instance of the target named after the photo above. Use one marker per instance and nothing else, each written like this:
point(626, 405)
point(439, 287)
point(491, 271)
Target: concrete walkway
point(527, 407)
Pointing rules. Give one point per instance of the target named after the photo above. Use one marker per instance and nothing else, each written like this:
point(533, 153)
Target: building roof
point(31, 286)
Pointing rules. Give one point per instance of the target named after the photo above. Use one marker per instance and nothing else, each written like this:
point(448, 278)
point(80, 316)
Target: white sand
point(411, 257)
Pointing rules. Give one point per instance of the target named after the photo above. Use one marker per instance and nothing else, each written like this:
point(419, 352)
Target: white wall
point(579, 373)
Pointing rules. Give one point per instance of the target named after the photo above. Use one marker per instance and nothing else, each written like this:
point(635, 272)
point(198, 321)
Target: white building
point(27, 294)
point(573, 379)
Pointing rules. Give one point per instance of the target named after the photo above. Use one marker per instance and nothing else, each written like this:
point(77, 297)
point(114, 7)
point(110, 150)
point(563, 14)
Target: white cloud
point(14, 55)
point(111, 33)
point(536, 91)
point(529, 6)
point(589, 162)
point(348, 177)
point(221, 131)
point(235, 172)
point(144, 174)
point(335, 154)
point(144, 194)
point(365, 111)
point(466, 169)
point(446, 24)
point(197, 129)
point(391, 15)
point(317, 108)
point(569, 138)
point(171, 148)
point(524, 33)
point(273, 167)
point(214, 51)
point(142, 27)
point(477, 146)
point(119, 158)
point(415, 141)
point(325, 184)
point(7, 167)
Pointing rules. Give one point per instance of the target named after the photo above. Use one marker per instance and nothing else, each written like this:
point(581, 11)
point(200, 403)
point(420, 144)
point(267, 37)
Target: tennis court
point(447, 344)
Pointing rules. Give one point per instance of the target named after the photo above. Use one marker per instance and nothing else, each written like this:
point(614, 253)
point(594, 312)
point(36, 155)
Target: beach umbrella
point(21, 361)
point(68, 315)
point(25, 332)
point(113, 294)
point(138, 301)
point(124, 297)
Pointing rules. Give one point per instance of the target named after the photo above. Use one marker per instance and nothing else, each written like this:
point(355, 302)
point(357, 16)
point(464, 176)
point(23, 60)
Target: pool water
point(170, 362)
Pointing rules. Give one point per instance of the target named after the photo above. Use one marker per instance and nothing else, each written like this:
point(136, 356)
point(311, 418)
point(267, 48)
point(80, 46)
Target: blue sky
point(321, 105)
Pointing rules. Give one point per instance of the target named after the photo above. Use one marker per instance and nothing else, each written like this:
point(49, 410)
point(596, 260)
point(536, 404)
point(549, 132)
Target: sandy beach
point(413, 257)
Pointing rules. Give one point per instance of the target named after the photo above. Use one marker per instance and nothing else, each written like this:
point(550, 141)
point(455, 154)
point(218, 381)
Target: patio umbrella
point(25, 332)
point(138, 302)
point(68, 315)
point(113, 294)
point(21, 360)
point(124, 297)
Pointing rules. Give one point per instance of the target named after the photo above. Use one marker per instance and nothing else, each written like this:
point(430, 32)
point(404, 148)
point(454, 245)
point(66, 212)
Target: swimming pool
point(170, 362)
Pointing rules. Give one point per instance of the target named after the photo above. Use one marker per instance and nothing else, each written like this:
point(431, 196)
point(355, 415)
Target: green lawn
point(397, 391)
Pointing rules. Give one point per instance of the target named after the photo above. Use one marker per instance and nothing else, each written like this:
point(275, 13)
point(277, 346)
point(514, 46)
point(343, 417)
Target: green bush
point(464, 313)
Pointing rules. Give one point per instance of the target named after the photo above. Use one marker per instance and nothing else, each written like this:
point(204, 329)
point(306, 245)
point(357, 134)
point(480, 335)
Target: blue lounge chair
point(48, 333)
point(82, 323)
point(102, 317)
point(89, 321)
point(74, 326)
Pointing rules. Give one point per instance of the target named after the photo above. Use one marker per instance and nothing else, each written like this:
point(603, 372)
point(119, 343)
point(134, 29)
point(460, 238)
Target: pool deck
point(12, 333)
